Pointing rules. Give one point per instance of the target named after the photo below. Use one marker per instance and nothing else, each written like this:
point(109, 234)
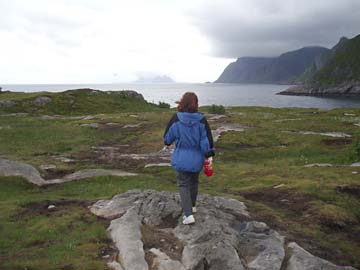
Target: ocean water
point(224, 94)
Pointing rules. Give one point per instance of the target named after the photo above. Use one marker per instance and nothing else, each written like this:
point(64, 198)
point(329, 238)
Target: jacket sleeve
point(169, 136)
point(206, 140)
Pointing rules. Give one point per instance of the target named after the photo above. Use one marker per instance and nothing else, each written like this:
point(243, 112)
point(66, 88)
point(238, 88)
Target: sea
point(208, 93)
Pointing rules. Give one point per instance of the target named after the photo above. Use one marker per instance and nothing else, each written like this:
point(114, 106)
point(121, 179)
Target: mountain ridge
point(338, 75)
point(285, 68)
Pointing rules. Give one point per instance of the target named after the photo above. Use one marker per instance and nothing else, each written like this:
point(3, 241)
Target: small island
point(155, 79)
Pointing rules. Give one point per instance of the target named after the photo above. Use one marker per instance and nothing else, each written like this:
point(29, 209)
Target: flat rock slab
point(300, 259)
point(318, 165)
point(87, 174)
point(329, 134)
point(31, 174)
point(15, 168)
point(164, 164)
point(225, 128)
point(215, 117)
point(286, 120)
point(357, 164)
point(223, 236)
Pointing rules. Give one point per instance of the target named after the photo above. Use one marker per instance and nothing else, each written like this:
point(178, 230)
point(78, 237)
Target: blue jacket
point(193, 140)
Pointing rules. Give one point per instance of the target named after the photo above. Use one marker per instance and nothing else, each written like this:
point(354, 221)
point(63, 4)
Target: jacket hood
point(190, 118)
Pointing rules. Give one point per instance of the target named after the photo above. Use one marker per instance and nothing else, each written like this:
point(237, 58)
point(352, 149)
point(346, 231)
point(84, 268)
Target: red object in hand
point(208, 169)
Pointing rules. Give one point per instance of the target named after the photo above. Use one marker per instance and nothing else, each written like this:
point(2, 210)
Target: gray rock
point(261, 247)
point(114, 265)
point(164, 262)
point(47, 166)
point(63, 159)
point(349, 89)
point(164, 164)
point(7, 103)
point(215, 117)
point(31, 174)
point(300, 259)
point(289, 119)
point(41, 100)
point(132, 125)
point(225, 128)
point(15, 168)
point(318, 165)
point(132, 94)
point(356, 164)
point(88, 174)
point(328, 134)
point(126, 233)
point(93, 125)
point(221, 238)
point(14, 115)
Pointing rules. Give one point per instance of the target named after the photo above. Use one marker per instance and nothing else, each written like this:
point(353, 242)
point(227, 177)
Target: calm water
point(225, 94)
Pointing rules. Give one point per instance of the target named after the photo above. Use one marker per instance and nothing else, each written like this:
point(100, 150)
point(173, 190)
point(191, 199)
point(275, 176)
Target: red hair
point(188, 103)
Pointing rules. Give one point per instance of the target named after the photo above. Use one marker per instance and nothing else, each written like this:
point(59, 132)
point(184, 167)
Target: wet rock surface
point(147, 230)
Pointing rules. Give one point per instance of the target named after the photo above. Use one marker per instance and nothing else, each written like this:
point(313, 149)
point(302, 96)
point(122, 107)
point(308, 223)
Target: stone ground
point(147, 231)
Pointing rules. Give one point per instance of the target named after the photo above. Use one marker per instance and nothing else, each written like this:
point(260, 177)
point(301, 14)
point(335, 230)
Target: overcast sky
point(104, 41)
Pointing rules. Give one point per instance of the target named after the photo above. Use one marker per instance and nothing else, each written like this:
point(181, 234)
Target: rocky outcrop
point(300, 259)
point(346, 89)
point(41, 101)
point(147, 230)
point(132, 94)
point(7, 103)
point(31, 174)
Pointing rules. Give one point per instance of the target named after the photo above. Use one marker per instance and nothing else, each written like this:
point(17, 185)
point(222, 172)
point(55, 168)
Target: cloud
point(266, 28)
point(82, 41)
point(77, 41)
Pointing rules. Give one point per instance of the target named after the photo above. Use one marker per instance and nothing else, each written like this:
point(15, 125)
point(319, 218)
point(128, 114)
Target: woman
point(194, 143)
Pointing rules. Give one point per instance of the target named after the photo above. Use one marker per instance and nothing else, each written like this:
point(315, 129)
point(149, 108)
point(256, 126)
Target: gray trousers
point(188, 183)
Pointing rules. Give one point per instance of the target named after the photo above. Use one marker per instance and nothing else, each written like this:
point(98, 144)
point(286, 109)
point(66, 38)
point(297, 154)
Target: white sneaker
point(194, 210)
point(188, 220)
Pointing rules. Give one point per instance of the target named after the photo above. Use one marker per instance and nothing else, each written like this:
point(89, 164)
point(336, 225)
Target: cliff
point(283, 69)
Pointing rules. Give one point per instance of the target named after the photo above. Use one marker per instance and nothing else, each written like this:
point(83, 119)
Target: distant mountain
point(283, 69)
point(155, 79)
point(337, 74)
point(320, 61)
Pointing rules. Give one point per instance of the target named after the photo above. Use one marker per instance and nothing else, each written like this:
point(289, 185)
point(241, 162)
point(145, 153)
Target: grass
point(247, 166)
point(342, 67)
point(76, 102)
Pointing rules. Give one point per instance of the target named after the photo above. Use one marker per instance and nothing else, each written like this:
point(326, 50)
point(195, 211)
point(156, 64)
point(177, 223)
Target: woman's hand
point(210, 160)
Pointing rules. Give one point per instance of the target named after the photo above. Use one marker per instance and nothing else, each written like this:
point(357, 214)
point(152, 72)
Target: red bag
point(208, 169)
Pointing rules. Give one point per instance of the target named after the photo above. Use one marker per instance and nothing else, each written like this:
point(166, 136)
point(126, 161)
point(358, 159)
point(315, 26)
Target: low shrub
point(164, 105)
point(217, 109)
